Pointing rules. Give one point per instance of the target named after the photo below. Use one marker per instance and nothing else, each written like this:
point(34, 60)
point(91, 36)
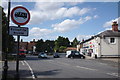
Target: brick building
point(26, 45)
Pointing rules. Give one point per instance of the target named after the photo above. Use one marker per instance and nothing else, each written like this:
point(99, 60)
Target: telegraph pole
point(5, 67)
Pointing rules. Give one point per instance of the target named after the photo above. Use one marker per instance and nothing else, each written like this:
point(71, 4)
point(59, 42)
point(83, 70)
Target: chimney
point(115, 26)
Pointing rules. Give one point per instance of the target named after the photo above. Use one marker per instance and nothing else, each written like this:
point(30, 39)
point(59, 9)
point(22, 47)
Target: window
point(112, 40)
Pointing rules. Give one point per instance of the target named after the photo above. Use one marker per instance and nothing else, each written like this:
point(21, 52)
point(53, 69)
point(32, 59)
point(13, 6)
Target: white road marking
point(86, 68)
point(103, 63)
point(50, 60)
point(33, 76)
point(63, 63)
point(22, 63)
point(113, 74)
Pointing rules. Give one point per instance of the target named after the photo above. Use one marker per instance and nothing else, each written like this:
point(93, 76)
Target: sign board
point(20, 15)
point(21, 31)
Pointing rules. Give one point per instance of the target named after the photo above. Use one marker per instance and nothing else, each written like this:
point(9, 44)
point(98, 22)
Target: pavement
point(106, 59)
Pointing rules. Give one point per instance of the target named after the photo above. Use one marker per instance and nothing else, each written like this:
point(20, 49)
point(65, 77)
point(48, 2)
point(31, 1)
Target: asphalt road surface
point(34, 67)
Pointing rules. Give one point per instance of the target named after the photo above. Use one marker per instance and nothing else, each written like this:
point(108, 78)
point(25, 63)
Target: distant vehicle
point(42, 55)
point(56, 55)
point(74, 54)
point(30, 52)
point(22, 53)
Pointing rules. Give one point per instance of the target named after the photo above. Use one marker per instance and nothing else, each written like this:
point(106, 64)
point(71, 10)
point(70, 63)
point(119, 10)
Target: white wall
point(119, 46)
point(107, 48)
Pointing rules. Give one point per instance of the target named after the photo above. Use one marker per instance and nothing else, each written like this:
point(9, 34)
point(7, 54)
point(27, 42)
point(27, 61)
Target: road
point(34, 67)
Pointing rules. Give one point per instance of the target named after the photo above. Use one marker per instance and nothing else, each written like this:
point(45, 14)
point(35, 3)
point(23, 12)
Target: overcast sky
point(68, 19)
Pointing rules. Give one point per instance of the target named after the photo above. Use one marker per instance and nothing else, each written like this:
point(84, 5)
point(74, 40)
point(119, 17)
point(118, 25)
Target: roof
point(70, 48)
point(107, 33)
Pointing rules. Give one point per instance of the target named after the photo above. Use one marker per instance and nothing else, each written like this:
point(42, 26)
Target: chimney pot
point(114, 26)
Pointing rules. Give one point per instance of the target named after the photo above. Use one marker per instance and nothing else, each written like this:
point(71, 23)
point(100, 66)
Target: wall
point(108, 48)
point(119, 46)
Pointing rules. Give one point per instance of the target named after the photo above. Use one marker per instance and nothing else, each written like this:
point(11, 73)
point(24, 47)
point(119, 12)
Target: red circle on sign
point(18, 23)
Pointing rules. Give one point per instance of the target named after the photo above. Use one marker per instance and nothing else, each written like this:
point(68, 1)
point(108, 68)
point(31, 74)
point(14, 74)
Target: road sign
point(21, 31)
point(20, 15)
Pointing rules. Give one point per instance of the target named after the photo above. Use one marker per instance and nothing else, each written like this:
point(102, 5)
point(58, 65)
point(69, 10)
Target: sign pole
point(17, 57)
point(20, 16)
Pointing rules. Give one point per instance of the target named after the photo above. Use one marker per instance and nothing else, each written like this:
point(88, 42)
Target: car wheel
point(72, 57)
point(80, 57)
point(83, 57)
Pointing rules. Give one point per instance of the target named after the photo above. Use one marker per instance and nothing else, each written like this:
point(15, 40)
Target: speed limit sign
point(20, 15)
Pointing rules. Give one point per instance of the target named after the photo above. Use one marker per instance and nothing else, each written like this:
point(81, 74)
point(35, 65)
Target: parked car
point(56, 55)
point(74, 54)
point(42, 55)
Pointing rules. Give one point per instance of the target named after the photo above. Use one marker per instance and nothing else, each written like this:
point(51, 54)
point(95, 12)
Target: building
point(29, 46)
point(105, 44)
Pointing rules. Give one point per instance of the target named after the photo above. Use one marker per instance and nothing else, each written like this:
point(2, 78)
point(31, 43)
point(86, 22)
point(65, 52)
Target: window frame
point(111, 41)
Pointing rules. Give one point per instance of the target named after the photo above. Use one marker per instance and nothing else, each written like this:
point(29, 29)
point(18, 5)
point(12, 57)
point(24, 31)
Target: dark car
point(56, 55)
point(42, 55)
point(76, 55)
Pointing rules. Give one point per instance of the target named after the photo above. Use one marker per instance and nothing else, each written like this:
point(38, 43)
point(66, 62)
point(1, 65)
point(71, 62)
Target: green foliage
point(39, 46)
point(62, 48)
point(7, 40)
point(46, 46)
point(75, 42)
point(61, 43)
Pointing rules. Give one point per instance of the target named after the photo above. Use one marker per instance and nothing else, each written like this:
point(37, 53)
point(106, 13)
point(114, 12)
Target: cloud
point(44, 11)
point(96, 16)
point(36, 31)
point(81, 37)
point(68, 24)
point(109, 23)
point(40, 33)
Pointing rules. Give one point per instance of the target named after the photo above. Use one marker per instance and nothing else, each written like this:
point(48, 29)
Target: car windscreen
point(77, 53)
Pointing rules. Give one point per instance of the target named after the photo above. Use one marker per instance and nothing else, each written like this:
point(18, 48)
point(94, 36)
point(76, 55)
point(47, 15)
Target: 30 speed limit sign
point(20, 15)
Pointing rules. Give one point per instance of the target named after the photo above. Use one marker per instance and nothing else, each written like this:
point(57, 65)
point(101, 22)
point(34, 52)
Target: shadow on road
point(27, 74)
point(47, 73)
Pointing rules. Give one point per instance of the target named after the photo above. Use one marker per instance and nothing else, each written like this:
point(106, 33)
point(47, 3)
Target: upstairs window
point(112, 40)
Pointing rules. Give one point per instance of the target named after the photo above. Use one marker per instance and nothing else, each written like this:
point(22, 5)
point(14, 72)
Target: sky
point(78, 19)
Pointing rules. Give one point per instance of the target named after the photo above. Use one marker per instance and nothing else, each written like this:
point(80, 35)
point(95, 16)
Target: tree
point(56, 48)
point(62, 48)
point(67, 42)
point(60, 43)
point(75, 42)
point(49, 45)
point(39, 45)
point(5, 37)
point(46, 46)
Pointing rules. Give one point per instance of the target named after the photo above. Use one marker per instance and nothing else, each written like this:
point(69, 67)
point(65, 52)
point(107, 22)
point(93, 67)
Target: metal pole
point(17, 58)
point(5, 67)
